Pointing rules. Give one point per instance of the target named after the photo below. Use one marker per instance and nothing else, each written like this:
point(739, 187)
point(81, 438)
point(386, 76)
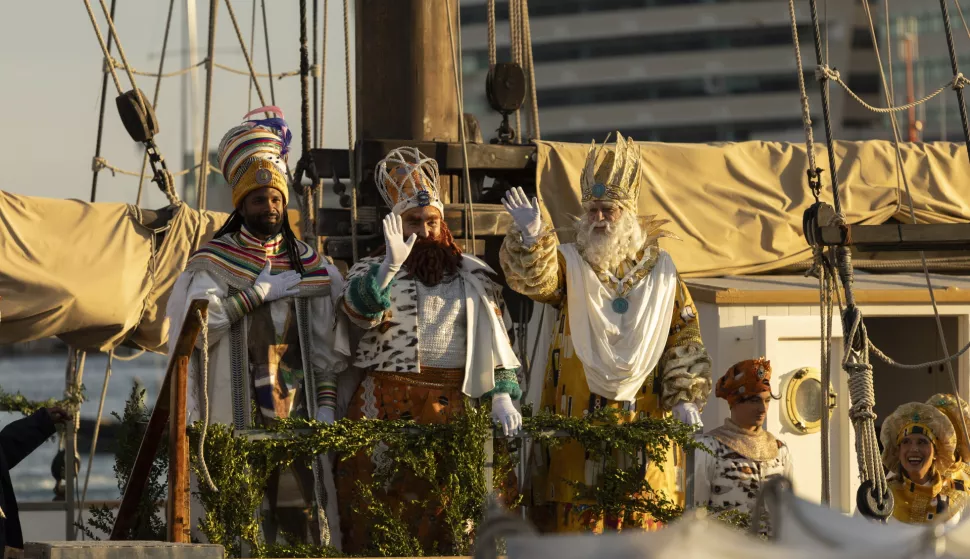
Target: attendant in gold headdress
point(948, 404)
point(919, 450)
point(627, 336)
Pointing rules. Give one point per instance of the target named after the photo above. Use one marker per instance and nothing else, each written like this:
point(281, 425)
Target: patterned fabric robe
point(255, 357)
point(411, 373)
point(729, 481)
point(941, 500)
point(683, 374)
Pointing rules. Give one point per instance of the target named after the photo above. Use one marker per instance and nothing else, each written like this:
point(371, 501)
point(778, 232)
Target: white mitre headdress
point(407, 179)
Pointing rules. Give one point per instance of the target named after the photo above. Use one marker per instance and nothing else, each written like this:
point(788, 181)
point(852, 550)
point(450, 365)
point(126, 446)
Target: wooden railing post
point(171, 397)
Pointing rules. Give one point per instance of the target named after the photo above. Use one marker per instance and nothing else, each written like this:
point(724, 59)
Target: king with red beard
point(434, 336)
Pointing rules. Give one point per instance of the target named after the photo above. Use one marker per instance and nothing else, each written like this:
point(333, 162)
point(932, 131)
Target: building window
point(647, 44)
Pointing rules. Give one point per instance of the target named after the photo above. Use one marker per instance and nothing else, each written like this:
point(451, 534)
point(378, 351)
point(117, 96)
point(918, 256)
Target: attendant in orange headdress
point(744, 455)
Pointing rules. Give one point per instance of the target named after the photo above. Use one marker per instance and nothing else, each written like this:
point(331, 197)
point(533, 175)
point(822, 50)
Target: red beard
point(433, 258)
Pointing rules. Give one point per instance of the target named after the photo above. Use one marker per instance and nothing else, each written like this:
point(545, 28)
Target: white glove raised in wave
point(326, 415)
point(271, 287)
point(397, 249)
point(505, 414)
point(688, 413)
point(525, 214)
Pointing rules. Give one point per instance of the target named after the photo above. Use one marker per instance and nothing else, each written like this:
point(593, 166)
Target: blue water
point(42, 377)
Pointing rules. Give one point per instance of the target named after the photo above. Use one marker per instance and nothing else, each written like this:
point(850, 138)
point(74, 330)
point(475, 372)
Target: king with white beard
point(627, 335)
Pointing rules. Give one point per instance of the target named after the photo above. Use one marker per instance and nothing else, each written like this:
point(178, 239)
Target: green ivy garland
point(448, 456)
point(18, 403)
point(148, 524)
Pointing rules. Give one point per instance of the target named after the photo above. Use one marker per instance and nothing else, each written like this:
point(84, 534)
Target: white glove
point(276, 287)
point(688, 413)
point(326, 415)
point(505, 414)
point(397, 248)
point(526, 215)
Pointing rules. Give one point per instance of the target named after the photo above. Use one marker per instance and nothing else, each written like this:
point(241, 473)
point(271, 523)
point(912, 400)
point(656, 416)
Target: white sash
point(618, 351)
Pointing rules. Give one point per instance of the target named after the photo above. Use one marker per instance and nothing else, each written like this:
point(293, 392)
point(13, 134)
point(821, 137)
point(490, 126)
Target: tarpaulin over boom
point(738, 206)
point(91, 274)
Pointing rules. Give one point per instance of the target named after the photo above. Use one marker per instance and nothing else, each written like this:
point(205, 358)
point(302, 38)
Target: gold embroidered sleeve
point(536, 271)
point(685, 365)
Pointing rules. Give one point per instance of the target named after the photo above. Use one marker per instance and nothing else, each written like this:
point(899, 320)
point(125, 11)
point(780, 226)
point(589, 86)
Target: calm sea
point(42, 377)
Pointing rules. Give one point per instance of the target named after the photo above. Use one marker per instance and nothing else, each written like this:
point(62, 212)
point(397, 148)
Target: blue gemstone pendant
point(620, 305)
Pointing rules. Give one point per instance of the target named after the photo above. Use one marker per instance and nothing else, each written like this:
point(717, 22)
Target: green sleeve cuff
point(366, 297)
point(241, 303)
point(506, 382)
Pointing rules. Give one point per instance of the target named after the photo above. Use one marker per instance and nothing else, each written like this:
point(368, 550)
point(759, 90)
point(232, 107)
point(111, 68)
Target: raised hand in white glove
point(326, 415)
point(688, 413)
point(526, 214)
point(505, 414)
point(271, 287)
point(397, 249)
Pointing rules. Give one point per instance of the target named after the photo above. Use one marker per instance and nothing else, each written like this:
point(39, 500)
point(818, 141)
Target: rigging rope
point(121, 53)
point(306, 194)
point(203, 182)
point(459, 93)
point(99, 163)
point(958, 82)
point(874, 490)
point(269, 59)
point(204, 331)
point(316, 74)
point(252, 49)
point(515, 28)
point(350, 132)
point(187, 69)
point(530, 69)
point(318, 202)
point(322, 70)
point(97, 431)
point(158, 87)
point(905, 178)
point(105, 49)
point(249, 60)
point(104, 100)
point(492, 56)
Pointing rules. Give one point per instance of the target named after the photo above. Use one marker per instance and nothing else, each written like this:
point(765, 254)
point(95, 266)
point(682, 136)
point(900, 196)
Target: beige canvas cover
point(737, 207)
point(91, 274)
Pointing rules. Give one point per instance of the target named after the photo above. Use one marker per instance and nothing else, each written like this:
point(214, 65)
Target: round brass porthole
point(803, 400)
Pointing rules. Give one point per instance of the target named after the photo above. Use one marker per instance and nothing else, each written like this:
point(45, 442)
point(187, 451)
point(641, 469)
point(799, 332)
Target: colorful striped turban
point(253, 155)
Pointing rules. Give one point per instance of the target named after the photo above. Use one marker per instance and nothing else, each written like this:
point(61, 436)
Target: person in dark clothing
point(17, 441)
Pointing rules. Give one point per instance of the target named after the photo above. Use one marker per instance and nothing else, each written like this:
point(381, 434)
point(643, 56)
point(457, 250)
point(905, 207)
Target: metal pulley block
point(138, 118)
point(871, 505)
point(814, 217)
point(505, 90)
point(505, 87)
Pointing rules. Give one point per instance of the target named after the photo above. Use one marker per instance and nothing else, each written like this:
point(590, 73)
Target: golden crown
point(612, 173)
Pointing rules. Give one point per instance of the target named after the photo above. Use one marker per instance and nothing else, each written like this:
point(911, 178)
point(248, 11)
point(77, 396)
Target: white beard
point(606, 248)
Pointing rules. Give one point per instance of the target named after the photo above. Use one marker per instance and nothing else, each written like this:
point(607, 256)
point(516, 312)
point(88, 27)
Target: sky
point(51, 76)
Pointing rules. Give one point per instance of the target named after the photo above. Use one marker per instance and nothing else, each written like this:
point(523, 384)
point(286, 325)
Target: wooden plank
point(810, 297)
point(156, 426)
point(490, 219)
point(178, 512)
point(904, 237)
point(481, 157)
